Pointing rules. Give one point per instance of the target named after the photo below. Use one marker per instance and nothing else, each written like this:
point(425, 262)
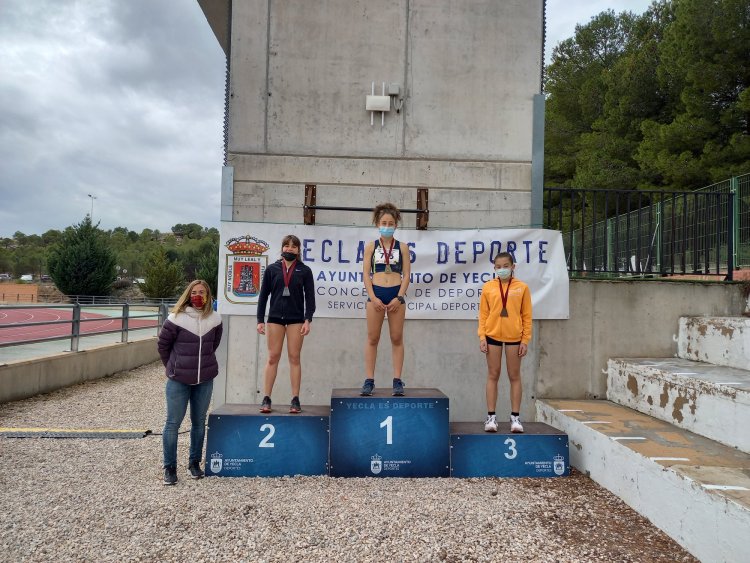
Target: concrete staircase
point(673, 438)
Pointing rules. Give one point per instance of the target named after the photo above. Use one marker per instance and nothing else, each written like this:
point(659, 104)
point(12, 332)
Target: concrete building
point(462, 83)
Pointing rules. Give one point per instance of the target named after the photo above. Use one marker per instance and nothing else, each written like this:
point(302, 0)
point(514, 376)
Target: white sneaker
point(515, 425)
point(490, 424)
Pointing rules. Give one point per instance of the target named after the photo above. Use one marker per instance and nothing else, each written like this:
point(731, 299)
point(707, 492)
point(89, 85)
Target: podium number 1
point(265, 442)
point(388, 424)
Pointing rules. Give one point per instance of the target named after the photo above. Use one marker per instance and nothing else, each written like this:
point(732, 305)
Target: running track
point(9, 333)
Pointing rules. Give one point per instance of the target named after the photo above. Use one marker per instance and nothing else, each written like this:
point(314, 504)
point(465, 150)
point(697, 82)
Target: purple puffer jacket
point(187, 346)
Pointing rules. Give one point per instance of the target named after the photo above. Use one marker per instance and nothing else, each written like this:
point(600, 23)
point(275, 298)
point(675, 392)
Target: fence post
point(163, 314)
point(125, 315)
point(734, 189)
point(75, 328)
point(730, 231)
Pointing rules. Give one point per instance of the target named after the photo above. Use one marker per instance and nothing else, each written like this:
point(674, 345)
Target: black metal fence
point(657, 233)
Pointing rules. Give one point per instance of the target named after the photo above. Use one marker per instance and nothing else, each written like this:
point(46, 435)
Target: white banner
point(448, 268)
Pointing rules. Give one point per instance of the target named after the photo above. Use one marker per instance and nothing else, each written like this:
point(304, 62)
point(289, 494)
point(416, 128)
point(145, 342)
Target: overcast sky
point(124, 100)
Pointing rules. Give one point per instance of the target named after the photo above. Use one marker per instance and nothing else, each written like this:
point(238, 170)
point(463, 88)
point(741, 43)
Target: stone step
point(693, 488)
point(724, 341)
point(713, 401)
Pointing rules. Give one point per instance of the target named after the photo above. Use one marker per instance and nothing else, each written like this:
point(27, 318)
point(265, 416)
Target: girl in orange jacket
point(504, 321)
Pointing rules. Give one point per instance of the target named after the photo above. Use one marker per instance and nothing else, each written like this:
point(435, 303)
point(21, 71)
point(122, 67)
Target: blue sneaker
point(398, 387)
point(367, 388)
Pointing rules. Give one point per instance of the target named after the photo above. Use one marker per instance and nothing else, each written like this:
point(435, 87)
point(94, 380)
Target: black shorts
point(494, 342)
point(284, 322)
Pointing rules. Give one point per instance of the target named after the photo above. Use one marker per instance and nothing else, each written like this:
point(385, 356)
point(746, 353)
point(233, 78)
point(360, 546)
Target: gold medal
point(388, 270)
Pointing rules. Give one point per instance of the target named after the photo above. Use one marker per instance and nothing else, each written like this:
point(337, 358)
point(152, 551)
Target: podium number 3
point(265, 442)
point(512, 452)
point(388, 424)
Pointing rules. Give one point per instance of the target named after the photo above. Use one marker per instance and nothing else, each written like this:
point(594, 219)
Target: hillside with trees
point(656, 101)
point(188, 251)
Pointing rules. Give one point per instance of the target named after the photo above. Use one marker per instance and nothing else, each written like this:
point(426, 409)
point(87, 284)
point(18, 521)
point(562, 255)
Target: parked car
point(45, 278)
point(5, 277)
point(27, 277)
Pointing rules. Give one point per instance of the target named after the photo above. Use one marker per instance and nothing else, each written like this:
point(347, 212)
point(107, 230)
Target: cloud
point(123, 100)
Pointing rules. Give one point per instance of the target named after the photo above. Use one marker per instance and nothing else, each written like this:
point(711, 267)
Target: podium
point(385, 436)
point(377, 436)
point(242, 442)
point(541, 451)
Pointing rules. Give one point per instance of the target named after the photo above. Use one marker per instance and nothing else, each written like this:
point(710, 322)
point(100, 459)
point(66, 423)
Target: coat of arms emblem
point(245, 266)
point(217, 461)
point(376, 464)
point(558, 464)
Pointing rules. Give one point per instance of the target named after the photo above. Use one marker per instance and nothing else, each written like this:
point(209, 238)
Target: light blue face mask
point(503, 273)
point(387, 231)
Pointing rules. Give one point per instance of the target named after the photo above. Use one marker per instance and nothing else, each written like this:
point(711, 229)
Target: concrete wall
point(620, 319)
point(19, 380)
point(468, 74)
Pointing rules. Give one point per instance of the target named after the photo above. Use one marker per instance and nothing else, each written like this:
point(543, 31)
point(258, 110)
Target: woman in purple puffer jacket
point(187, 345)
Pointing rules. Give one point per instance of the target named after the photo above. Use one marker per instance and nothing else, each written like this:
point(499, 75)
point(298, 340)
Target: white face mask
point(503, 273)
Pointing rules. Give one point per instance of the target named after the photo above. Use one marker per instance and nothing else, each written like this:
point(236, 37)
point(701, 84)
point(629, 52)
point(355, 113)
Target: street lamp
point(91, 216)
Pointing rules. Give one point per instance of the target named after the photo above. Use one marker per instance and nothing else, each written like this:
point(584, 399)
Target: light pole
point(91, 215)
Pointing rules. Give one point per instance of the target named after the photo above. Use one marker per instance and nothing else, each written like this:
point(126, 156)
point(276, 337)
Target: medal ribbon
point(387, 254)
point(504, 296)
point(287, 273)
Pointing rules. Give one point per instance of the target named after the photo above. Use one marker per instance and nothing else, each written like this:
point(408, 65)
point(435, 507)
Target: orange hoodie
point(517, 325)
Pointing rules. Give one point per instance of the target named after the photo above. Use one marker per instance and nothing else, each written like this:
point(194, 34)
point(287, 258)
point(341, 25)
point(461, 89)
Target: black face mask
point(288, 256)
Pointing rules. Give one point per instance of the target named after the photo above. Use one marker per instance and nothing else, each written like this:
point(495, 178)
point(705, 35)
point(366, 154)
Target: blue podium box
point(385, 436)
point(541, 451)
point(242, 442)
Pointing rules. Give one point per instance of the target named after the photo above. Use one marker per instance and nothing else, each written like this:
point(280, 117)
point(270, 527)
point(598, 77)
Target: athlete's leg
point(374, 326)
point(275, 337)
point(396, 331)
point(513, 365)
point(494, 363)
point(294, 351)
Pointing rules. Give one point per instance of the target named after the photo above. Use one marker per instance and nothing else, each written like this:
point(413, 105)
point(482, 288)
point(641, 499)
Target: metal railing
point(76, 322)
point(657, 233)
point(739, 187)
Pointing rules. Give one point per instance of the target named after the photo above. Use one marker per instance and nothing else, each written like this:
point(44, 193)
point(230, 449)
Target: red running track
point(9, 333)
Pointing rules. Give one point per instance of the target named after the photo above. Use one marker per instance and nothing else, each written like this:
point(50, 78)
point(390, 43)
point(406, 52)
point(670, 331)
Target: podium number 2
point(512, 452)
point(265, 442)
point(388, 424)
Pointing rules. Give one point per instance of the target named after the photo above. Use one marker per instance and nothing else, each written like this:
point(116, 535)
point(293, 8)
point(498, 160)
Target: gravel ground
point(102, 500)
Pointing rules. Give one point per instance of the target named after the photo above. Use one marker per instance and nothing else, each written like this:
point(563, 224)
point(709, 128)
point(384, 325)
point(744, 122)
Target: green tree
point(577, 88)
point(163, 277)
point(208, 266)
point(705, 60)
point(82, 263)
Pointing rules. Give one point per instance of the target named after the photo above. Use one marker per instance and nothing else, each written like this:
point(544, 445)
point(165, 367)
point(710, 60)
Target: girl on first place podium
point(386, 267)
point(504, 322)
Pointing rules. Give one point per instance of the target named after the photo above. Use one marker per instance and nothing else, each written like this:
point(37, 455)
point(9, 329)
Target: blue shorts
point(385, 294)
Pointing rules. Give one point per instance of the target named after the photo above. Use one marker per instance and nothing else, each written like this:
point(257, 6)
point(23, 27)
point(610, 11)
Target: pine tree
point(81, 262)
point(163, 277)
point(208, 267)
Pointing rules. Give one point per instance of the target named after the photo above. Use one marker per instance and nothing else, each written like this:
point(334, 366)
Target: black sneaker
point(170, 475)
point(265, 406)
point(195, 470)
point(398, 387)
point(367, 388)
point(295, 407)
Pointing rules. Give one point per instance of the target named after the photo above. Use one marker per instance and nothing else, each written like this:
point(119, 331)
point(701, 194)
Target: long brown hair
point(184, 299)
